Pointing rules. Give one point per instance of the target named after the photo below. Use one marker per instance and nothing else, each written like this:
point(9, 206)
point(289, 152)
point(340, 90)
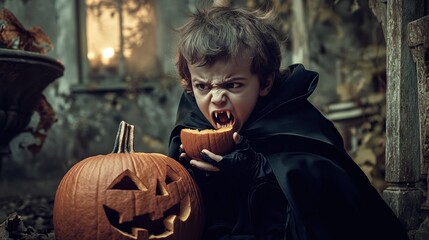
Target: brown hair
point(226, 32)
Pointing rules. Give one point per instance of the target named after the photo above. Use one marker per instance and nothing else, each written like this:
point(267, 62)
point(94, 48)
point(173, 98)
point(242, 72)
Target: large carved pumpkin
point(218, 141)
point(127, 195)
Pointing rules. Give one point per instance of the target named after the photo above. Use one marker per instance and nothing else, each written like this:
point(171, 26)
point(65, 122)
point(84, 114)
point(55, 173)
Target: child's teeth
point(215, 114)
point(228, 114)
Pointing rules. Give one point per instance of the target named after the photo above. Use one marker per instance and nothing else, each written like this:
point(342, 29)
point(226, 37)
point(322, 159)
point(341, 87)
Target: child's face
point(226, 92)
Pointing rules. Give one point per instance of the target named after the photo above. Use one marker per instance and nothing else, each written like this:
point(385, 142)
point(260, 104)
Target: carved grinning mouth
point(150, 224)
point(161, 227)
point(223, 118)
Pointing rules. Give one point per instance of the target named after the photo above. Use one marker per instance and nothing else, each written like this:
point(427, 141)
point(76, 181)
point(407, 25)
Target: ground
point(26, 217)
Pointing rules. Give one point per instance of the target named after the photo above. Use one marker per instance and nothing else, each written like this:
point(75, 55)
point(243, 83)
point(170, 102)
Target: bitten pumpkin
point(127, 195)
point(218, 141)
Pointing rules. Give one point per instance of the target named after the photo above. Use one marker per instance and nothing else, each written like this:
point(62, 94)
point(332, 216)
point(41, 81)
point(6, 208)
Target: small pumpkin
point(218, 141)
point(127, 195)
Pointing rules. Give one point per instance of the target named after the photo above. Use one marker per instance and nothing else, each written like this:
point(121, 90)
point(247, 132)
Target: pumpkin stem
point(124, 142)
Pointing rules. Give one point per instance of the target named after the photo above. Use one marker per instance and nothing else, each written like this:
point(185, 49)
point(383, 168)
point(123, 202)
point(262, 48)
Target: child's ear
point(268, 85)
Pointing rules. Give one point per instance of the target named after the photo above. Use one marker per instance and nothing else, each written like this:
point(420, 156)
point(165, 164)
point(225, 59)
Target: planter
point(23, 77)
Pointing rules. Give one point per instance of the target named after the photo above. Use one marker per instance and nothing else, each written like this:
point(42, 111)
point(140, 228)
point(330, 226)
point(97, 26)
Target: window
point(118, 42)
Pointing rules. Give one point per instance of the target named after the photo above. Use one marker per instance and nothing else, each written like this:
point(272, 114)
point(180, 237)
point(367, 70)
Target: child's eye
point(202, 87)
point(232, 85)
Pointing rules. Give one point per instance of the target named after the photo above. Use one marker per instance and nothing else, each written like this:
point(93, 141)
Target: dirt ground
point(26, 209)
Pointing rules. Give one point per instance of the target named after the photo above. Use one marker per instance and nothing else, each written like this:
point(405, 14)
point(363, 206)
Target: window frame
point(91, 84)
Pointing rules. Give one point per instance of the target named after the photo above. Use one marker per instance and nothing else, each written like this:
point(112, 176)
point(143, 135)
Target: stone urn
point(23, 77)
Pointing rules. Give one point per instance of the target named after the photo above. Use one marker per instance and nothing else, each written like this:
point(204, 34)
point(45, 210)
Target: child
point(289, 176)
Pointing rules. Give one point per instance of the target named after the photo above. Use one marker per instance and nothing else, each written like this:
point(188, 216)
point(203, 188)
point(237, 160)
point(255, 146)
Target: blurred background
point(113, 60)
point(118, 58)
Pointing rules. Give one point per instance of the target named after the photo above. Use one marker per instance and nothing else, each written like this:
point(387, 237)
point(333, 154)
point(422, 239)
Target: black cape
point(328, 196)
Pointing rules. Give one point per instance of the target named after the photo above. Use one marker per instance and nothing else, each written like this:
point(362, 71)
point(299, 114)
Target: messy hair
point(225, 33)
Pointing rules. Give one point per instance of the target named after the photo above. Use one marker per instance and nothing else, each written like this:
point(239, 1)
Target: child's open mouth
point(223, 118)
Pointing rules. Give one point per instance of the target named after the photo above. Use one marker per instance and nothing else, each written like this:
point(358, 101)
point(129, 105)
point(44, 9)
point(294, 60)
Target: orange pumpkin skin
point(128, 196)
point(218, 141)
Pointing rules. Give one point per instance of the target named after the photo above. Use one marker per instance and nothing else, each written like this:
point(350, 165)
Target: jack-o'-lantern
point(218, 141)
point(127, 195)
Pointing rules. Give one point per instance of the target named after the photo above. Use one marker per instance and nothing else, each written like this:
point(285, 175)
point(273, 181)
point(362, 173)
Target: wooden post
point(402, 123)
point(419, 43)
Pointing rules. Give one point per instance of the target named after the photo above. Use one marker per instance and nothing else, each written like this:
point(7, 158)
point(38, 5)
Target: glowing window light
point(118, 34)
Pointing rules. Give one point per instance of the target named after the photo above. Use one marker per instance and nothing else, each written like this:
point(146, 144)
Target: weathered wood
point(419, 44)
point(402, 124)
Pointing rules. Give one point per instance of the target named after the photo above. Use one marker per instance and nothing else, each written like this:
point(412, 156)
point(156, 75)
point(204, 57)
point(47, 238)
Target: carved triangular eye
point(127, 181)
point(171, 176)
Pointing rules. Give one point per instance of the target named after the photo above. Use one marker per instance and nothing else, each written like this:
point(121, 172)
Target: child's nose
point(218, 96)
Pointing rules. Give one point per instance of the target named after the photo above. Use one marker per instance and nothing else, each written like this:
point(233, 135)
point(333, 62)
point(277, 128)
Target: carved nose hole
point(160, 190)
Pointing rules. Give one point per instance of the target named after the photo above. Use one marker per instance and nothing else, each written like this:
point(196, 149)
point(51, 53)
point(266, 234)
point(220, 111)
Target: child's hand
point(204, 166)
point(183, 157)
point(211, 159)
point(243, 164)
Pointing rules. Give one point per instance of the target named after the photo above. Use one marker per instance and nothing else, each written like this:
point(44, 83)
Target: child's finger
point(236, 137)
point(204, 166)
point(209, 160)
point(211, 155)
point(183, 156)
